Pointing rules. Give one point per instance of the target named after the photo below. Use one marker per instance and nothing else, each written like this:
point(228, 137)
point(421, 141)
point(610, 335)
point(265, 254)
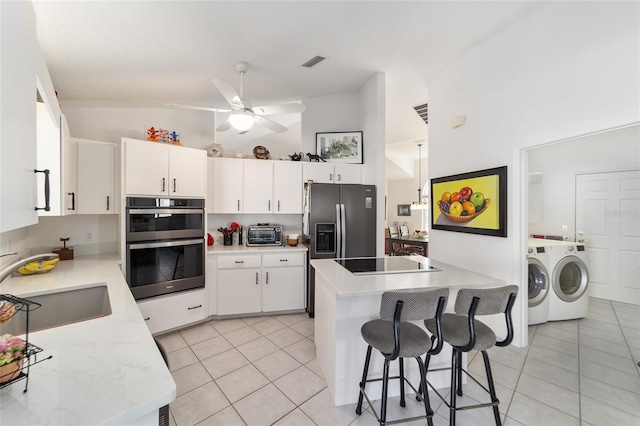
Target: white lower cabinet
point(260, 283)
point(172, 311)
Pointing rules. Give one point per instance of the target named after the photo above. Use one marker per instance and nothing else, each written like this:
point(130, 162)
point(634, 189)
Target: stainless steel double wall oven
point(165, 245)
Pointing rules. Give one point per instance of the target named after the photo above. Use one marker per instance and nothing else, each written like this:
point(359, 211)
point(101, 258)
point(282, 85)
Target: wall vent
point(423, 112)
point(313, 61)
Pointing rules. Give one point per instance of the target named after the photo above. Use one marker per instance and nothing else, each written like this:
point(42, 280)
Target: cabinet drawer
point(239, 261)
point(167, 312)
point(284, 259)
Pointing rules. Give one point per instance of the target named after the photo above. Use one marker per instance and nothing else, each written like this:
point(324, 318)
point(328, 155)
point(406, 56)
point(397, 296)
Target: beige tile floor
point(263, 371)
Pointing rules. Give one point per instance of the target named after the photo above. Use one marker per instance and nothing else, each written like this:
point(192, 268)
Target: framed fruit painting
point(473, 202)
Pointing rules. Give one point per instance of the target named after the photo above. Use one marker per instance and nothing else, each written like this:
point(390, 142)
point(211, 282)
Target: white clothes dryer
point(569, 298)
point(539, 282)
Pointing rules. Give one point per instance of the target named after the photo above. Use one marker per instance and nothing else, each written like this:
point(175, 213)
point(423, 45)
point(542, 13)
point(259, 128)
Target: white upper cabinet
point(255, 186)
point(332, 172)
point(287, 187)
point(257, 192)
point(226, 182)
point(164, 170)
point(69, 174)
point(18, 115)
point(96, 177)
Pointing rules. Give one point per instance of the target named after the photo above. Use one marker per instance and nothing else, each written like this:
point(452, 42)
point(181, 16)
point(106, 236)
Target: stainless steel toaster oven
point(264, 235)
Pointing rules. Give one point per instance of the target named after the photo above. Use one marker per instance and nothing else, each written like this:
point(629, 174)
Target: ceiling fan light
point(241, 120)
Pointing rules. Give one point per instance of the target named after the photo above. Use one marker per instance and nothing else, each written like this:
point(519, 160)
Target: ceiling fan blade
point(198, 108)
point(271, 125)
point(279, 109)
point(229, 93)
point(226, 125)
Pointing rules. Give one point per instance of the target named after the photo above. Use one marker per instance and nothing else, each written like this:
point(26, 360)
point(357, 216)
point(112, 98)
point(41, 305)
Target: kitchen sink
point(61, 308)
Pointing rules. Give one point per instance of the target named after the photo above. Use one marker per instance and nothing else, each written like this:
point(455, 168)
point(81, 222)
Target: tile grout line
point(515, 387)
point(635, 362)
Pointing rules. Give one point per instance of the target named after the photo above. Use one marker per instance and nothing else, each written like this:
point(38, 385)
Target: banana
point(38, 267)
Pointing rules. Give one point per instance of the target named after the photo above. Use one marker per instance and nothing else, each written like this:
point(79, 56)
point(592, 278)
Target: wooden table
point(397, 244)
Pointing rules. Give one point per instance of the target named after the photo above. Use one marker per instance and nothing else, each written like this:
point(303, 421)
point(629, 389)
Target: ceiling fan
point(242, 115)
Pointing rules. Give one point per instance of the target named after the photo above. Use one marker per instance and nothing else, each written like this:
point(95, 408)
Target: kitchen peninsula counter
point(344, 302)
point(106, 370)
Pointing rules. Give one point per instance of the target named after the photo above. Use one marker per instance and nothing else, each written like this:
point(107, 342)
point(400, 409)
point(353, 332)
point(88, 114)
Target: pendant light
point(419, 205)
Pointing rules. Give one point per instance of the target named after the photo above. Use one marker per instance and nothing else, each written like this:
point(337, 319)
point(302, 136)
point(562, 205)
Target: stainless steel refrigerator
point(339, 221)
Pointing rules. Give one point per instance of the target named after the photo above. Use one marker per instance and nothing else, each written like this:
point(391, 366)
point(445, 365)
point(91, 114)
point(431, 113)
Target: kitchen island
point(106, 370)
point(344, 302)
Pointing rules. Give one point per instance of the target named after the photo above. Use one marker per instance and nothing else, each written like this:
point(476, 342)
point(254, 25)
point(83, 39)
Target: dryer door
point(570, 278)
point(538, 282)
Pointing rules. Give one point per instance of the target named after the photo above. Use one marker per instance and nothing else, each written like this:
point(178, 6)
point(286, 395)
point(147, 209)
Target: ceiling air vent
point(313, 61)
point(423, 112)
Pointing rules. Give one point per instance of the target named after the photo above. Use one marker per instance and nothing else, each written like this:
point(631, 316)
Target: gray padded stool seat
point(465, 333)
point(396, 338)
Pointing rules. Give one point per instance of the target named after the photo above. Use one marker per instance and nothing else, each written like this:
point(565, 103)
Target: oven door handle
point(165, 211)
point(165, 244)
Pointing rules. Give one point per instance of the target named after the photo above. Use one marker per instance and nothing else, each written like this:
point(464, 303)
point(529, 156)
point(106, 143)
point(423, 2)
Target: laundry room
point(584, 223)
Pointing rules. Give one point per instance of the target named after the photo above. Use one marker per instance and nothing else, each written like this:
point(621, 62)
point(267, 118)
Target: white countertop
point(346, 284)
point(242, 249)
point(104, 370)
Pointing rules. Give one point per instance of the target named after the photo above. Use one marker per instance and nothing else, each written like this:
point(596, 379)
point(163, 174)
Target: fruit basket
point(464, 219)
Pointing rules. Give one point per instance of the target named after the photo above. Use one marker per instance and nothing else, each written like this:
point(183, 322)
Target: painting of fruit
point(473, 202)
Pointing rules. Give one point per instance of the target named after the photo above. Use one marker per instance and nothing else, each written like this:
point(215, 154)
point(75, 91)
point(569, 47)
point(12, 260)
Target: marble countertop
point(242, 249)
point(346, 284)
point(103, 370)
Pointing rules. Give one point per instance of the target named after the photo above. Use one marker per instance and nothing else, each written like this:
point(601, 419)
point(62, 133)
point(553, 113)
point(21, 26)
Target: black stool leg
point(423, 385)
point(402, 403)
point(454, 382)
point(385, 383)
point(364, 380)
point(492, 388)
point(459, 385)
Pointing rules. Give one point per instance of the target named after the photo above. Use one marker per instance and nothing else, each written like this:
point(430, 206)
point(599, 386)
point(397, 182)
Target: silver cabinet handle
point(278, 205)
point(194, 307)
point(163, 184)
point(238, 205)
point(269, 205)
point(339, 177)
point(256, 278)
point(147, 318)
point(107, 203)
point(47, 192)
point(284, 260)
point(267, 281)
point(331, 176)
point(239, 261)
point(174, 185)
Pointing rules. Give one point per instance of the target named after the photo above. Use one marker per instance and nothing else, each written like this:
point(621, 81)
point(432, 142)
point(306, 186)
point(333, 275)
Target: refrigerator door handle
point(343, 231)
point(338, 232)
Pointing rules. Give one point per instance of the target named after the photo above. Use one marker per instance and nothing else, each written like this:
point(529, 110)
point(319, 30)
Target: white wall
point(568, 68)
point(403, 192)
point(614, 150)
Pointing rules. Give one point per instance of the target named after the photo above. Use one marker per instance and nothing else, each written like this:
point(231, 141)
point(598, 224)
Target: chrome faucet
point(6, 272)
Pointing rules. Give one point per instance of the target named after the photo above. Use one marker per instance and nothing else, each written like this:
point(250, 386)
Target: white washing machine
point(569, 295)
point(539, 281)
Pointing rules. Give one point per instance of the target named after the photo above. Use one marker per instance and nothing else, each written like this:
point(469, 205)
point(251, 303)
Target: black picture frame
point(340, 147)
point(404, 209)
point(489, 217)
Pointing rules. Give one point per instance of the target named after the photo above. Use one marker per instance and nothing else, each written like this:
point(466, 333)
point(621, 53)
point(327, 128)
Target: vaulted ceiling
point(148, 53)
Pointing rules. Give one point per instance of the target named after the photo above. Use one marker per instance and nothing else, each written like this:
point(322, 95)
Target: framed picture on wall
point(404, 209)
point(474, 202)
point(340, 147)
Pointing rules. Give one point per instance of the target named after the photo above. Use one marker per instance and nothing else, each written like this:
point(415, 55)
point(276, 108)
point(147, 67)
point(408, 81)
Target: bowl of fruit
point(463, 206)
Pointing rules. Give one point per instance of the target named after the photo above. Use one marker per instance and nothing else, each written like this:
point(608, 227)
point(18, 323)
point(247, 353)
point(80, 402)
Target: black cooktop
point(384, 265)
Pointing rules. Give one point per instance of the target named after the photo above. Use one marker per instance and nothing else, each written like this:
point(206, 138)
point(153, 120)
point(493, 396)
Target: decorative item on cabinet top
point(163, 136)
point(215, 150)
point(261, 153)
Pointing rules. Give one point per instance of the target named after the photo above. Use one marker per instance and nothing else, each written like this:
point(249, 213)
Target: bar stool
point(396, 338)
point(465, 333)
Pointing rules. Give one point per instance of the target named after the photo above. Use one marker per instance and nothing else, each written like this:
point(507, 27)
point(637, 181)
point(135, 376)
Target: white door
point(257, 192)
point(146, 168)
point(318, 172)
point(96, 178)
point(226, 191)
point(348, 173)
point(287, 187)
point(187, 172)
point(607, 211)
point(239, 291)
point(283, 288)
point(69, 165)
